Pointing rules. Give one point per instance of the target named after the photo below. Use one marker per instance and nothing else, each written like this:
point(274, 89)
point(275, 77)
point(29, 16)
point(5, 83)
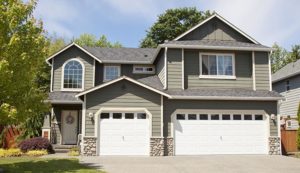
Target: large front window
point(111, 72)
point(73, 72)
point(217, 65)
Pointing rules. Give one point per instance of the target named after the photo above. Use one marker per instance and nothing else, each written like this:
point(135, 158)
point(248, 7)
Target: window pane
point(204, 65)
point(225, 117)
point(129, 115)
point(192, 116)
point(104, 115)
point(203, 117)
point(111, 72)
point(214, 117)
point(117, 115)
point(138, 68)
point(73, 75)
point(221, 65)
point(212, 62)
point(258, 117)
point(149, 69)
point(237, 117)
point(141, 116)
point(247, 117)
point(180, 116)
point(228, 65)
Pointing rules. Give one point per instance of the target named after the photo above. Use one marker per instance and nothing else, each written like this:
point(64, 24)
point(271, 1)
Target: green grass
point(40, 165)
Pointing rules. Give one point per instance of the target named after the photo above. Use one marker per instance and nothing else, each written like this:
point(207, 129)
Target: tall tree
point(278, 57)
point(171, 24)
point(91, 40)
point(22, 52)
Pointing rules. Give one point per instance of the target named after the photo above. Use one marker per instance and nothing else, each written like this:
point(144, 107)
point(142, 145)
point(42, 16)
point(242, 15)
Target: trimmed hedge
point(37, 143)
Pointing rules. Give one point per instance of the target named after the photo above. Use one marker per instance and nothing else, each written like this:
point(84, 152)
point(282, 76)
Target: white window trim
point(104, 71)
point(144, 69)
point(62, 76)
point(233, 76)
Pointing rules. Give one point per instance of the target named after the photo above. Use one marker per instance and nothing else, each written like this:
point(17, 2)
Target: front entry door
point(69, 126)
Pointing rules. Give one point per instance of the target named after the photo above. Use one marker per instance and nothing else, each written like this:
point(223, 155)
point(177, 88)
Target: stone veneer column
point(169, 146)
point(89, 146)
point(161, 146)
point(274, 145)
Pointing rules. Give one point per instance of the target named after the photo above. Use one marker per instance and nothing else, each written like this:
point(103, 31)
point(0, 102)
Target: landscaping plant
point(37, 143)
point(13, 152)
point(36, 153)
point(74, 151)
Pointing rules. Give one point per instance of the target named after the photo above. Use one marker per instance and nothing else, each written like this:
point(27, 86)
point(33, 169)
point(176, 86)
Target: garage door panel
point(195, 137)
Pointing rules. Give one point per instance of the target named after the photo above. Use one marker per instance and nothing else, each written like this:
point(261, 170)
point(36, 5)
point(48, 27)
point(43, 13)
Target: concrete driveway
point(196, 164)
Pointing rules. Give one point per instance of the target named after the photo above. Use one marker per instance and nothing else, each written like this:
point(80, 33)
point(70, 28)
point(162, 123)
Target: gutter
point(226, 98)
point(215, 47)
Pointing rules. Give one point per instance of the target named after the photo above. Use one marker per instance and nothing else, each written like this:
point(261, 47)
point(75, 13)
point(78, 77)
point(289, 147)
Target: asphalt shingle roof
point(122, 55)
point(152, 81)
point(289, 70)
point(216, 43)
point(63, 97)
point(235, 92)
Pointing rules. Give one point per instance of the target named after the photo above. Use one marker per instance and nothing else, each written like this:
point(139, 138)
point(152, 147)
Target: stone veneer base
point(274, 145)
point(161, 146)
point(89, 146)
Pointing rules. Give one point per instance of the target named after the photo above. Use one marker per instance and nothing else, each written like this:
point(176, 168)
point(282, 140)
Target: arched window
point(73, 72)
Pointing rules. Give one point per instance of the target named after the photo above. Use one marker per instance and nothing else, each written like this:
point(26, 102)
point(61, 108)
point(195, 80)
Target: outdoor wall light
point(273, 117)
point(91, 116)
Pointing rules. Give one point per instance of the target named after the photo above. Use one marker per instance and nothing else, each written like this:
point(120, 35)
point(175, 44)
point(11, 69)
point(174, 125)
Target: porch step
point(62, 148)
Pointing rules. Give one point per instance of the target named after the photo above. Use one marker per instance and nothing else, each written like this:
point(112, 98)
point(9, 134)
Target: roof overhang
point(226, 98)
point(119, 79)
point(215, 47)
point(222, 19)
point(67, 47)
point(63, 102)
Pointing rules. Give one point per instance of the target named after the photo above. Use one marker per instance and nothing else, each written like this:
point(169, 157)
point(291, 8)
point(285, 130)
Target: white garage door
point(197, 134)
point(124, 134)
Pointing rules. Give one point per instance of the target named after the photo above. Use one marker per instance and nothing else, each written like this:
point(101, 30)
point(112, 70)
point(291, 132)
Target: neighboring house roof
point(224, 94)
point(63, 97)
point(216, 44)
point(222, 19)
point(287, 71)
point(115, 55)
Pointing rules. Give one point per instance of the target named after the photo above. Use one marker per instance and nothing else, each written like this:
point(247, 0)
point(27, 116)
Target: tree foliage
point(281, 57)
point(92, 41)
point(171, 24)
point(22, 52)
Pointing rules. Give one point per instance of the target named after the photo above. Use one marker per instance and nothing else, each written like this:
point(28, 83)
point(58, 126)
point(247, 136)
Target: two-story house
point(286, 81)
point(206, 92)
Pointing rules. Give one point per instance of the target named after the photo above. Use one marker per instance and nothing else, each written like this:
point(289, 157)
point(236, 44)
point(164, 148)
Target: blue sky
point(126, 21)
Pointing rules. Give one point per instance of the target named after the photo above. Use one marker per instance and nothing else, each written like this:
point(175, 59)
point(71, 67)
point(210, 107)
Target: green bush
point(13, 152)
point(36, 153)
point(74, 151)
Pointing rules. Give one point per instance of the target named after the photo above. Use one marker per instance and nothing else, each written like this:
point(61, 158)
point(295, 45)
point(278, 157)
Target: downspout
point(270, 74)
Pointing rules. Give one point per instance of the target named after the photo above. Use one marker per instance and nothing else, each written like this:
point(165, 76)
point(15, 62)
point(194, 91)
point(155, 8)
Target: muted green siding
point(60, 59)
point(170, 106)
point(174, 68)
point(243, 69)
point(262, 71)
point(215, 29)
point(124, 94)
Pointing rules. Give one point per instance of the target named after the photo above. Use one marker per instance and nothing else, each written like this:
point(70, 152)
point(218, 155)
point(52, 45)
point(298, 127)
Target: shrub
point(36, 153)
point(13, 152)
point(37, 143)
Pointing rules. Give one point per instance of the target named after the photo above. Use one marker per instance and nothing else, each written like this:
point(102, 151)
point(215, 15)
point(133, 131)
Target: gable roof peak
point(216, 15)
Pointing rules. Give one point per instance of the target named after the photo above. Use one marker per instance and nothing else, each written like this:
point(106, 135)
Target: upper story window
point(143, 69)
point(287, 85)
point(72, 75)
point(217, 66)
point(111, 72)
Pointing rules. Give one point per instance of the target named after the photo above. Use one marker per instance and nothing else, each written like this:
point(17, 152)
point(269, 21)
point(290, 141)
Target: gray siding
point(124, 94)
point(57, 110)
point(262, 71)
point(98, 73)
point(160, 67)
point(170, 106)
point(243, 68)
point(215, 29)
point(292, 97)
point(72, 52)
point(174, 69)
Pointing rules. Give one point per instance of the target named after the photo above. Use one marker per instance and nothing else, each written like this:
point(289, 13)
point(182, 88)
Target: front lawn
point(40, 165)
